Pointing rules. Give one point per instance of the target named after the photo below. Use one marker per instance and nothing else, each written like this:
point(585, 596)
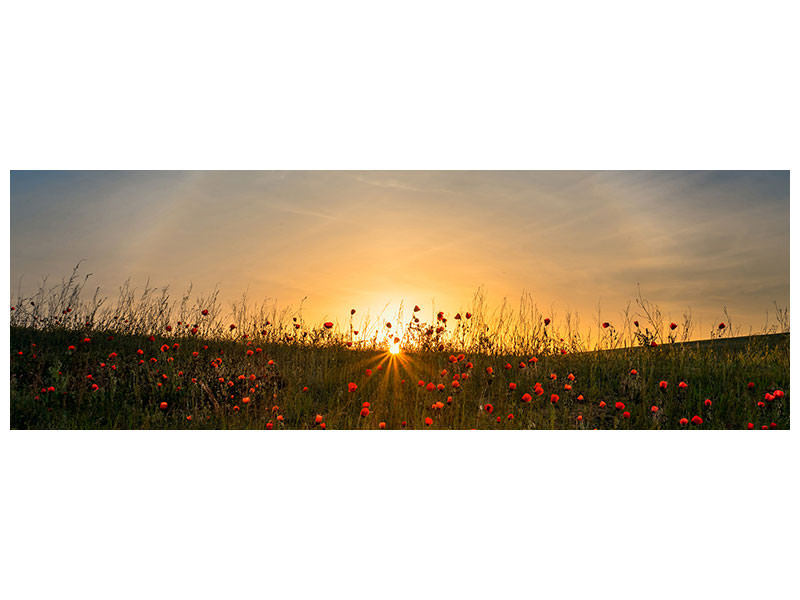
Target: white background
point(422, 85)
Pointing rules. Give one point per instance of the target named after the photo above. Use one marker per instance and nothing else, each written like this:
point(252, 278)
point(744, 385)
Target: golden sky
point(575, 240)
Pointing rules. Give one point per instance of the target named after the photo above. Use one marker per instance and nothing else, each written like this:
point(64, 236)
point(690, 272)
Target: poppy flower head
point(778, 393)
point(364, 412)
point(512, 386)
point(430, 387)
point(619, 406)
point(697, 420)
point(554, 399)
point(606, 324)
point(580, 398)
point(163, 406)
point(546, 322)
point(673, 325)
point(526, 397)
point(634, 372)
point(579, 418)
point(707, 403)
point(318, 419)
point(417, 308)
point(654, 409)
point(488, 408)
point(428, 421)
point(662, 385)
point(328, 325)
point(489, 370)
point(382, 425)
point(468, 315)
point(533, 360)
point(626, 415)
point(721, 326)
point(684, 421)
point(636, 323)
point(750, 425)
point(751, 385)
point(351, 387)
point(602, 404)
point(683, 385)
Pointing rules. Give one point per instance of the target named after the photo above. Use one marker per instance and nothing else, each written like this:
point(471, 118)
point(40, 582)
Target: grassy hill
point(65, 379)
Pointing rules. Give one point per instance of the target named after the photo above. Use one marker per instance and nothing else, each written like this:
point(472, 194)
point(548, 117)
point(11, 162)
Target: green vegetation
point(205, 384)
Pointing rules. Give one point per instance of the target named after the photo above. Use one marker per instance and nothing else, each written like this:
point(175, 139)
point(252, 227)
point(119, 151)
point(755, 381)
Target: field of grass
point(68, 379)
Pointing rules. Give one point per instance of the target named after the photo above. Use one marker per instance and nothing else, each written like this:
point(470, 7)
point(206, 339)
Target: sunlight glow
point(394, 348)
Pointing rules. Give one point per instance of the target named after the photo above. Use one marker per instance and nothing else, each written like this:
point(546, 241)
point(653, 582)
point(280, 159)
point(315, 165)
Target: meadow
point(149, 362)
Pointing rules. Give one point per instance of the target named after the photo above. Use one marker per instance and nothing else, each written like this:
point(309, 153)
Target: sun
point(394, 348)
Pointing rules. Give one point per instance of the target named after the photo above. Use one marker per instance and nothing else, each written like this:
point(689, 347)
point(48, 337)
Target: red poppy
point(328, 325)
point(512, 386)
point(440, 387)
point(232, 326)
point(580, 398)
point(449, 399)
point(351, 387)
point(579, 417)
point(364, 412)
point(269, 425)
point(72, 349)
point(619, 406)
point(554, 398)
point(567, 387)
point(721, 325)
point(510, 417)
point(760, 404)
point(430, 387)
point(653, 344)
point(533, 359)
point(673, 325)
point(602, 404)
point(636, 323)
point(382, 425)
point(634, 372)
point(489, 370)
point(764, 427)
point(769, 397)
point(553, 376)
point(365, 404)
point(707, 403)
point(626, 415)
point(163, 406)
point(683, 385)
point(204, 312)
point(697, 420)
point(547, 322)
point(323, 426)
point(468, 315)
point(778, 393)
point(488, 408)
point(684, 421)
point(388, 325)
point(751, 385)
point(417, 308)
point(428, 421)
point(456, 384)
point(654, 409)
point(457, 317)
point(750, 425)
point(526, 397)
point(662, 385)
point(606, 324)
point(773, 425)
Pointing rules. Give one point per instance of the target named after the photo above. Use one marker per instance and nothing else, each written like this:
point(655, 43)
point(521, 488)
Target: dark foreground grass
point(63, 379)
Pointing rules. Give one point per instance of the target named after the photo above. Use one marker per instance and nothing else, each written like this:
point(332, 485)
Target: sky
point(575, 240)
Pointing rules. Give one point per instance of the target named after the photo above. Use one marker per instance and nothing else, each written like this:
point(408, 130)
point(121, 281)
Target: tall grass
point(146, 360)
